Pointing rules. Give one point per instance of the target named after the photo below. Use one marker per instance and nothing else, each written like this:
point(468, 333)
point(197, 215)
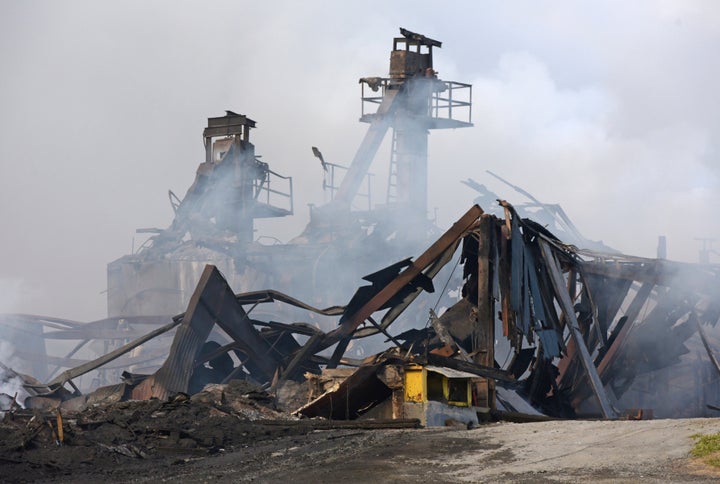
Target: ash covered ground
point(231, 433)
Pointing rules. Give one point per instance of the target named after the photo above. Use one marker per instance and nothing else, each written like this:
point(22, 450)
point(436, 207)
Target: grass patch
point(707, 448)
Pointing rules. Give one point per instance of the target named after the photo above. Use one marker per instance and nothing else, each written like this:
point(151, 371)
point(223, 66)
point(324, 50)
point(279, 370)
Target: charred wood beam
point(484, 334)
point(606, 295)
point(611, 358)
point(566, 305)
point(615, 301)
point(613, 336)
point(398, 309)
point(567, 363)
point(570, 352)
point(425, 260)
point(508, 316)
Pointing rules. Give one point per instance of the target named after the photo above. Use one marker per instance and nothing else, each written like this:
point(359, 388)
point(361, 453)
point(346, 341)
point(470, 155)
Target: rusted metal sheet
point(213, 302)
point(174, 375)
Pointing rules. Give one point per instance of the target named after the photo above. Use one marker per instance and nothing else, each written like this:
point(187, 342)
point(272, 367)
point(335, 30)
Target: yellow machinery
point(434, 383)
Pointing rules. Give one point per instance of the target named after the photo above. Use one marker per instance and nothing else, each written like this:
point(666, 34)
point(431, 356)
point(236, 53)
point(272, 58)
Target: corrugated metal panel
point(213, 302)
point(174, 375)
point(449, 372)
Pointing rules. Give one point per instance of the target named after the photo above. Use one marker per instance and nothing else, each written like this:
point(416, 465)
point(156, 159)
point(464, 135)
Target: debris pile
point(537, 323)
point(578, 328)
point(220, 418)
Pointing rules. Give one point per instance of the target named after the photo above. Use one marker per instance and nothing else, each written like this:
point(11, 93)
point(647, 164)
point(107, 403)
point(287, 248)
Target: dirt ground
point(648, 451)
point(231, 433)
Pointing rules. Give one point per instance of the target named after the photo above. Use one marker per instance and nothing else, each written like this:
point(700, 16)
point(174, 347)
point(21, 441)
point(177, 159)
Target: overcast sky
point(608, 108)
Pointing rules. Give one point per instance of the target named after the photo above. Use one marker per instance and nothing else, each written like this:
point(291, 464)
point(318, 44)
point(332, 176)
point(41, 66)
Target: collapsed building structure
point(214, 221)
point(581, 326)
point(544, 321)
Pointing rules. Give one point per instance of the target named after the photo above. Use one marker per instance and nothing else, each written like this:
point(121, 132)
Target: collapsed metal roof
point(581, 326)
point(580, 322)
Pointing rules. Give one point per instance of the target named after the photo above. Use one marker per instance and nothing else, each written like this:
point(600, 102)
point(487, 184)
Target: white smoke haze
point(11, 291)
point(10, 384)
point(608, 109)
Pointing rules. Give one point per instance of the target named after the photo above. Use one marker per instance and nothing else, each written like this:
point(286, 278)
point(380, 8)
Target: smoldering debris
point(581, 326)
point(222, 418)
point(536, 321)
point(11, 390)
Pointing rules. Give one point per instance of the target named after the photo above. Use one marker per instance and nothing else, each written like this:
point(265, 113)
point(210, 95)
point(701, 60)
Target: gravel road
point(558, 451)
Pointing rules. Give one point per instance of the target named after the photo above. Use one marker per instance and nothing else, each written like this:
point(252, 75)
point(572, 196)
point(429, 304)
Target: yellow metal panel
point(415, 384)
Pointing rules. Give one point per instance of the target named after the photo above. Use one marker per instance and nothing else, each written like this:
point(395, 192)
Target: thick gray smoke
point(11, 291)
point(9, 297)
point(569, 145)
point(11, 385)
point(606, 109)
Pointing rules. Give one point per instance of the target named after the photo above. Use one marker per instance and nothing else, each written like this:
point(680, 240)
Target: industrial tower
point(411, 101)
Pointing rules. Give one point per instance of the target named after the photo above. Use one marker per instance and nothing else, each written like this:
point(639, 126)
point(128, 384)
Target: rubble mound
point(105, 436)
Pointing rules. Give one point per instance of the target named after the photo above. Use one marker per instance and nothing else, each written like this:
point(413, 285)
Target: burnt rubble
point(508, 314)
point(579, 328)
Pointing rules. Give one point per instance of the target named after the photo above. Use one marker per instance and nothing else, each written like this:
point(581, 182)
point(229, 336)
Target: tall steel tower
point(411, 101)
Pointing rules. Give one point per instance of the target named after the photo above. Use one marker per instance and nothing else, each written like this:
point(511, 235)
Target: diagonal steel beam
point(558, 283)
point(426, 259)
point(401, 280)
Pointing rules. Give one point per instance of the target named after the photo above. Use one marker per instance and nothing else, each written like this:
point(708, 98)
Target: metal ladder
point(392, 172)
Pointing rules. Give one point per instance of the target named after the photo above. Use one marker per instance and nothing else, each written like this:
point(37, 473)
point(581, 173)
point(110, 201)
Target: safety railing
point(447, 100)
point(266, 191)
